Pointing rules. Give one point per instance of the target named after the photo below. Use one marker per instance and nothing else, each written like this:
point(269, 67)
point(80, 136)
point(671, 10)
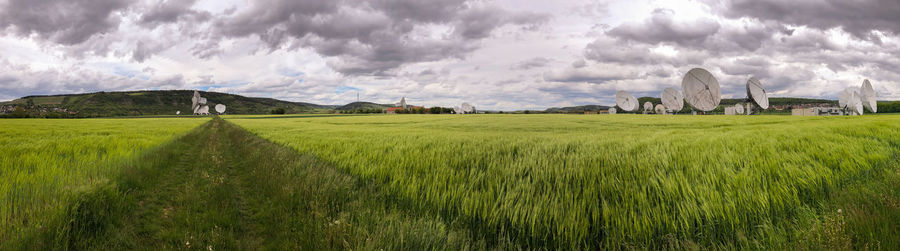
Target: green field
point(603, 180)
point(452, 182)
point(43, 163)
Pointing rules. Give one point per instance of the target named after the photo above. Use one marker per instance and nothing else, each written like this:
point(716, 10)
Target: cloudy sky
point(501, 54)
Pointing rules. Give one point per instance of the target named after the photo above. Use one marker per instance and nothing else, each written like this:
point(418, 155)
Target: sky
point(496, 55)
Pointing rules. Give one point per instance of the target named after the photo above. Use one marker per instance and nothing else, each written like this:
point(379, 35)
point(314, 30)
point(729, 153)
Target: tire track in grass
point(222, 188)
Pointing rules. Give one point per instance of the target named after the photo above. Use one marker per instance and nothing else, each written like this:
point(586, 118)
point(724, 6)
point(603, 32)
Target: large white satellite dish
point(467, 108)
point(844, 98)
point(457, 110)
point(612, 110)
point(856, 103)
point(204, 110)
point(867, 95)
point(757, 93)
point(220, 108)
point(202, 101)
point(660, 109)
point(701, 90)
point(177, 112)
point(648, 107)
point(626, 102)
point(672, 99)
point(194, 100)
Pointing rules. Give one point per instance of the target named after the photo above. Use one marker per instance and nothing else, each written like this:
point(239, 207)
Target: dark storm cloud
point(66, 22)
point(662, 27)
point(857, 17)
point(172, 11)
point(372, 37)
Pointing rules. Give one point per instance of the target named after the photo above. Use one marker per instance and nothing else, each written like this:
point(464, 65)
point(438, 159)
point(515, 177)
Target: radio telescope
point(220, 109)
point(856, 104)
point(467, 108)
point(203, 110)
point(177, 112)
point(738, 109)
point(672, 99)
point(867, 95)
point(660, 109)
point(844, 98)
point(457, 110)
point(648, 107)
point(701, 90)
point(757, 94)
point(194, 101)
point(626, 102)
point(612, 110)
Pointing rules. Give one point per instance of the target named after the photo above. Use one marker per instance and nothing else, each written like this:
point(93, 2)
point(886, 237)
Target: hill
point(363, 106)
point(138, 103)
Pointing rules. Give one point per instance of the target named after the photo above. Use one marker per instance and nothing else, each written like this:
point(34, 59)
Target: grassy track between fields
point(222, 188)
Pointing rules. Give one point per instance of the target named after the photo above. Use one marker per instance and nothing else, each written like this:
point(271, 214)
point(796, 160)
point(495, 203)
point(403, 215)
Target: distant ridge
point(362, 106)
point(140, 103)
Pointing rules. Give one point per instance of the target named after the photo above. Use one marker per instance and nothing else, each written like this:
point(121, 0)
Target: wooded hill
point(142, 103)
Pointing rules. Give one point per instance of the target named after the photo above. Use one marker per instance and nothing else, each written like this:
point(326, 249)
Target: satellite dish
point(457, 110)
point(467, 108)
point(625, 101)
point(757, 93)
point(672, 99)
point(204, 110)
point(202, 101)
point(856, 103)
point(220, 108)
point(177, 112)
point(701, 89)
point(612, 110)
point(738, 109)
point(844, 98)
point(660, 109)
point(648, 107)
point(867, 95)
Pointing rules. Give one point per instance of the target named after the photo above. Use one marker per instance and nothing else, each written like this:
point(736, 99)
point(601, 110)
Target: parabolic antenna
point(867, 95)
point(856, 103)
point(660, 109)
point(204, 109)
point(701, 90)
point(457, 110)
point(844, 98)
point(194, 100)
point(738, 109)
point(467, 108)
point(202, 101)
point(612, 110)
point(648, 107)
point(757, 93)
point(672, 99)
point(626, 102)
point(220, 108)
point(177, 112)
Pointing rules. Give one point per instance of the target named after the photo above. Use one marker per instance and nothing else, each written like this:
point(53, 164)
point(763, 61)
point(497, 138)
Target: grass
point(592, 181)
point(45, 163)
point(422, 182)
point(220, 187)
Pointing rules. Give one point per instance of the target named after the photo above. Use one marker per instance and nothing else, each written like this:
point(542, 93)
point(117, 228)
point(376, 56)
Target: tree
point(19, 112)
point(278, 110)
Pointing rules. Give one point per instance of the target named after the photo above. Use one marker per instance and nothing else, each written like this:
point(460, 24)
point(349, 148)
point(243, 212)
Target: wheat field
point(579, 180)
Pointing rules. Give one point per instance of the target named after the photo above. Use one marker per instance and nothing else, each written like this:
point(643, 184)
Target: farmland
point(602, 180)
point(44, 162)
point(452, 182)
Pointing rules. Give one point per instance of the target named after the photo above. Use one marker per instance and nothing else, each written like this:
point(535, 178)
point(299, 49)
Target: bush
point(278, 111)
